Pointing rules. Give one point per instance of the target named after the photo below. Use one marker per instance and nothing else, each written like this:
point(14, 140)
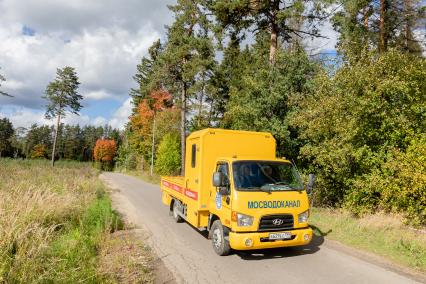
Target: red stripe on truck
point(186, 191)
point(191, 194)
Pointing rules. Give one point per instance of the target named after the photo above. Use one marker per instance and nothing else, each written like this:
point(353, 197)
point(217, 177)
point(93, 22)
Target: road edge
point(162, 274)
point(376, 260)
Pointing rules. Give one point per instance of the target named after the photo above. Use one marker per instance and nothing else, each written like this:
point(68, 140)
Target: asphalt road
point(188, 254)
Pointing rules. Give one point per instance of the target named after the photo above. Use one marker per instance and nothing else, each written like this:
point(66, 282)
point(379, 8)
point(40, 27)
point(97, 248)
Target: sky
point(103, 40)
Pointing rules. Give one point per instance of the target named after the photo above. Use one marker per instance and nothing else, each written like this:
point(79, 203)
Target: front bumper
point(260, 240)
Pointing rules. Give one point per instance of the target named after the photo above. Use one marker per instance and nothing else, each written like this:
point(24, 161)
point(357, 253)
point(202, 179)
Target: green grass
point(54, 222)
point(382, 234)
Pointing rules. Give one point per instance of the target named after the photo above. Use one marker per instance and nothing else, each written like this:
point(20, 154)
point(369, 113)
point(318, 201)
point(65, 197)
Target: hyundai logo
point(277, 222)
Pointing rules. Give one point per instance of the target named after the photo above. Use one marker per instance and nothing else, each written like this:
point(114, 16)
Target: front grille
point(267, 222)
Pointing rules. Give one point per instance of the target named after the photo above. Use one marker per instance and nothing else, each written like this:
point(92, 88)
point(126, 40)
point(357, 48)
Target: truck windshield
point(265, 176)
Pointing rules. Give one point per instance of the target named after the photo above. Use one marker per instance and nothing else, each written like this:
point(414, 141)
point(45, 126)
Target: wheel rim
point(175, 213)
point(217, 238)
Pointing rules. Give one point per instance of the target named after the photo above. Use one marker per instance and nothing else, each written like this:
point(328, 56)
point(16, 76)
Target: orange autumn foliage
point(158, 101)
point(104, 150)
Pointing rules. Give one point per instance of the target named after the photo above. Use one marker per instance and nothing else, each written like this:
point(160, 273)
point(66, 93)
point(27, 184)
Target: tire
point(218, 234)
point(175, 211)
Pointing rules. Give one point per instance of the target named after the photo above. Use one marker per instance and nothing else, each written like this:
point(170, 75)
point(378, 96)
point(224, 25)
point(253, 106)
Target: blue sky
point(103, 40)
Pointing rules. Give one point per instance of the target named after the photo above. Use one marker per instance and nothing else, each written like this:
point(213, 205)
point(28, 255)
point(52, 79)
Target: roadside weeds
point(380, 234)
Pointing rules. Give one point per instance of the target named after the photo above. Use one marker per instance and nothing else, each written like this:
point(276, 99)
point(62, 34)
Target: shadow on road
point(312, 247)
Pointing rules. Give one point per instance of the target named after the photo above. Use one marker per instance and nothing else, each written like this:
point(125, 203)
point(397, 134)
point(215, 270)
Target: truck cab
point(236, 188)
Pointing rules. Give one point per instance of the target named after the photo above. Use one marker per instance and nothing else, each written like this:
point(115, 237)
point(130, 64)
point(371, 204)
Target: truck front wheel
point(219, 236)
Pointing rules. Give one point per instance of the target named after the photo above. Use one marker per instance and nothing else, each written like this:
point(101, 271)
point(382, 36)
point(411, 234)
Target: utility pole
point(153, 145)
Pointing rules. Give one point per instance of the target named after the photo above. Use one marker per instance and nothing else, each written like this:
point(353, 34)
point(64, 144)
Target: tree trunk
point(54, 140)
point(383, 36)
point(274, 33)
point(365, 12)
point(183, 128)
point(409, 23)
point(201, 98)
point(273, 45)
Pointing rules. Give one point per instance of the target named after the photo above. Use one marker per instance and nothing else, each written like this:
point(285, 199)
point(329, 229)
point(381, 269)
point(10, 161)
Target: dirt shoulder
point(128, 212)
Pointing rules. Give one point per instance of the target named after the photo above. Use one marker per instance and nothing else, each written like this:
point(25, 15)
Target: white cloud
point(105, 60)
point(98, 95)
point(121, 115)
point(103, 39)
point(25, 117)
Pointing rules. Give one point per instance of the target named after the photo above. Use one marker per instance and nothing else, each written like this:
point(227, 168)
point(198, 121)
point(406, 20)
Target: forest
point(355, 117)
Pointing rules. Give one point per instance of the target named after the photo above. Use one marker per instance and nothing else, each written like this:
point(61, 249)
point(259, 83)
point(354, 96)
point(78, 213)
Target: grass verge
point(382, 234)
point(56, 225)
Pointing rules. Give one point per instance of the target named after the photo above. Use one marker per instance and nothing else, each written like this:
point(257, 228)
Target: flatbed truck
point(236, 188)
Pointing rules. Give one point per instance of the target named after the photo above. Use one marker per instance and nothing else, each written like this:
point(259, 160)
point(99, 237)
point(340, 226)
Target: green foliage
point(126, 157)
point(353, 121)
point(399, 185)
point(358, 25)
point(168, 155)
point(74, 142)
point(52, 231)
point(6, 133)
point(77, 246)
point(262, 99)
point(61, 93)
point(39, 151)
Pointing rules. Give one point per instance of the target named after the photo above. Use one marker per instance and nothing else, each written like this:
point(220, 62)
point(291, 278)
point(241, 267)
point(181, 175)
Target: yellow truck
point(240, 192)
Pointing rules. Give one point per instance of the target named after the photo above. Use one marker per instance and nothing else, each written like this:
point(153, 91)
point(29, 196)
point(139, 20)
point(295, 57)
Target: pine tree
point(62, 96)
point(6, 133)
point(188, 55)
point(144, 75)
point(278, 17)
point(378, 25)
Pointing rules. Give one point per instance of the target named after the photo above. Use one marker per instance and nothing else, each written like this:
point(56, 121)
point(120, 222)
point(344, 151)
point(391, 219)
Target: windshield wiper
point(281, 183)
point(287, 184)
point(265, 189)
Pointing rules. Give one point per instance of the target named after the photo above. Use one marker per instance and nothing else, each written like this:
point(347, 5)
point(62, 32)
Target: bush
point(104, 153)
point(356, 127)
point(399, 185)
point(168, 155)
point(126, 157)
point(39, 151)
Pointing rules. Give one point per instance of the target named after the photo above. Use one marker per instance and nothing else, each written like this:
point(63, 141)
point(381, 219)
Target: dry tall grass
point(38, 205)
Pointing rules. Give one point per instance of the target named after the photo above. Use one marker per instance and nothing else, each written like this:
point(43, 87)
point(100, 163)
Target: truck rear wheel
point(219, 236)
point(175, 212)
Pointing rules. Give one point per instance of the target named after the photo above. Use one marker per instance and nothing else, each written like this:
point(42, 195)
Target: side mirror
point(311, 183)
point(218, 178)
point(221, 182)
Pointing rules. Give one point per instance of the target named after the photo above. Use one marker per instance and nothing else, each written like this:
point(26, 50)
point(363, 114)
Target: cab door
point(222, 203)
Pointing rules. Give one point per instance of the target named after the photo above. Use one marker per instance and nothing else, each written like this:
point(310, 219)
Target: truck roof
point(207, 131)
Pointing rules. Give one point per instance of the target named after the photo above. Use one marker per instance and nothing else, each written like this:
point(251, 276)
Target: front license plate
point(280, 236)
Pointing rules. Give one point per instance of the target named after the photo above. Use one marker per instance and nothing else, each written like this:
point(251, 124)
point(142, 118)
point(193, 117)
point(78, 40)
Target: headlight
point(244, 220)
point(303, 217)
